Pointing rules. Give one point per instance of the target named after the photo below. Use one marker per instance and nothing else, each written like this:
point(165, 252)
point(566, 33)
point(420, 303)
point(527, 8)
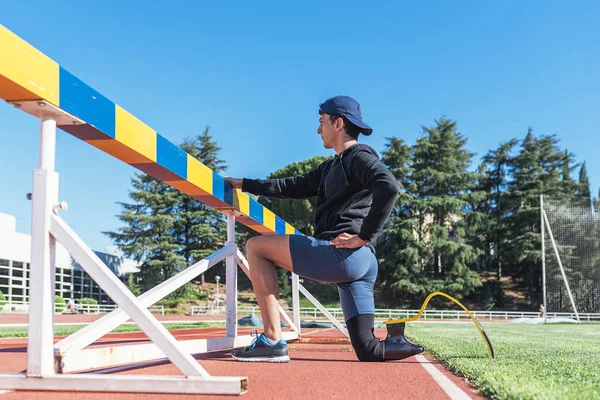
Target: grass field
point(553, 361)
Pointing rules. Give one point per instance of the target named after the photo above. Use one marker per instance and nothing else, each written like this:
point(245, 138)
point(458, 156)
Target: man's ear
point(339, 123)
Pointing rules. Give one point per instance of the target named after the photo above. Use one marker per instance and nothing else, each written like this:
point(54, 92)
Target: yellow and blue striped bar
point(26, 74)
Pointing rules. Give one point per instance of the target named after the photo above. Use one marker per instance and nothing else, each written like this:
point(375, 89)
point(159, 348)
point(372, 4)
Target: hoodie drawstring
point(343, 169)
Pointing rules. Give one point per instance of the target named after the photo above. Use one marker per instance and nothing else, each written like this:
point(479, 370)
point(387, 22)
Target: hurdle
point(37, 85)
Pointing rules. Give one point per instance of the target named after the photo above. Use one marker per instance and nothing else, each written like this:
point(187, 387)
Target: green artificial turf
point(552, 361)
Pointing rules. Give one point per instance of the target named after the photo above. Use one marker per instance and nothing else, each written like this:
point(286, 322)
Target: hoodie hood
point(357, 147)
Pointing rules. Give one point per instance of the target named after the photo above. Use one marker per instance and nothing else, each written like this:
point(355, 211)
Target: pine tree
point(597, 202)
point(566, 169)
point(200, 229)
point(494, 169)
point(539, 168)
point(442, 189)
point(146, 236)
point(130, 282)
point(400, 253)
point(567, 185)
point(584, 184)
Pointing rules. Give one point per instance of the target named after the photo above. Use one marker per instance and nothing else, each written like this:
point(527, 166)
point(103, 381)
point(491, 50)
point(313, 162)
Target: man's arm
point(297, 187)
point(384, 188)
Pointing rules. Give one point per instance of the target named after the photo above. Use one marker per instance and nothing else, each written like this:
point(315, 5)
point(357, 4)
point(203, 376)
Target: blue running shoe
point(262, 351)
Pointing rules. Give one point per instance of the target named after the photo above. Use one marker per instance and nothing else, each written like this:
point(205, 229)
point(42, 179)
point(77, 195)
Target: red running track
point(323, 366)
point(22, 319)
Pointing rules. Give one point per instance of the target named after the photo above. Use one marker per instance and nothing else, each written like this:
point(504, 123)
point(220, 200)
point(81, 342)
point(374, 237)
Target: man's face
point(329, 130)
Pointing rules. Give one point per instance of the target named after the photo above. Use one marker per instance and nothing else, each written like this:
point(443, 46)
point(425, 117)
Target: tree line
point(456, 227)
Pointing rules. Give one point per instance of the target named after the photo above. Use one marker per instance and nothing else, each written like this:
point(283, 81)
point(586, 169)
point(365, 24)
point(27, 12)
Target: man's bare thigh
point(275, 248)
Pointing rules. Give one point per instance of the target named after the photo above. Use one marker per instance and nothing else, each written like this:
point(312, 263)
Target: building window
point(4, 281)
point(4, 271)
point(17, 264)
point(17, 291)
point(4, 263)
point(17, 273)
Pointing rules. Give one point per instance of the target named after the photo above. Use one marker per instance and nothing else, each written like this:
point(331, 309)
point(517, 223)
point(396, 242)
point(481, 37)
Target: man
point(355, 196)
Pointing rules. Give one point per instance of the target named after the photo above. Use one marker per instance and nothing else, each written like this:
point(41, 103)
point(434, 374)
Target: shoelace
point(253, 332)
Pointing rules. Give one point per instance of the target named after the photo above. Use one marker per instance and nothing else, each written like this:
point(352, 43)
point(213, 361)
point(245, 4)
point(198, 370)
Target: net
point(576, 230)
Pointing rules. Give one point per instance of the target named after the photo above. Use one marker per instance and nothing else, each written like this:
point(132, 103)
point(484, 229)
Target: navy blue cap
point(347, 107)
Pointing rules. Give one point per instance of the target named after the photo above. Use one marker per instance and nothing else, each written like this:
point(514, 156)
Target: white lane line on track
point(453, 391)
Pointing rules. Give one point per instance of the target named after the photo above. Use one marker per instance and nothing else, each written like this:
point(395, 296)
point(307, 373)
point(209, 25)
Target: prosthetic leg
point(395, 345)
point(398, 348)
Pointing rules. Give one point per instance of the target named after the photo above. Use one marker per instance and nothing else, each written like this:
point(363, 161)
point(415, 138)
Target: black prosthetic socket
point(364, 342)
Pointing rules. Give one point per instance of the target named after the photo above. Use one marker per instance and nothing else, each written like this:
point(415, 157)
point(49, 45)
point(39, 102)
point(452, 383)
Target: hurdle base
point(143, 355)
point(234, 385)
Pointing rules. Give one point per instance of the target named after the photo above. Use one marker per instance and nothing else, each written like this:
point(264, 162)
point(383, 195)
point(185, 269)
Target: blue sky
point(257, 71)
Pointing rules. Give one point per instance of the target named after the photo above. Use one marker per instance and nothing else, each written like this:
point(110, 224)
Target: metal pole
point(231, 284)
point(542, 227)
point(296, 302)
point(47, 143)
point(40, 352)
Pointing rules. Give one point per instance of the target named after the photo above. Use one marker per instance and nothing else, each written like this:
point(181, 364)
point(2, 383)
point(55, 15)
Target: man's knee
point(252, 244)
point(271, 248)
point(258, 246)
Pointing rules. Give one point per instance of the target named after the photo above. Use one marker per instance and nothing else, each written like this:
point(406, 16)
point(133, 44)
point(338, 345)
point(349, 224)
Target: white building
point(71, 280)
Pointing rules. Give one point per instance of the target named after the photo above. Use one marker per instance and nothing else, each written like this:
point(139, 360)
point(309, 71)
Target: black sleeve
point(297, 187)
point(382, 184)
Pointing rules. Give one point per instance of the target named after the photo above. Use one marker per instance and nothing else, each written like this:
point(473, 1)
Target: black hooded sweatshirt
point(355, 193)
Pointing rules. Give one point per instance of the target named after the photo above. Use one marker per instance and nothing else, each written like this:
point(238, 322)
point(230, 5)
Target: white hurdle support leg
point(231, 284)
point(296, 299)
point(40, 357)
point(327, 314)
point(117, 291)
point(107, 323)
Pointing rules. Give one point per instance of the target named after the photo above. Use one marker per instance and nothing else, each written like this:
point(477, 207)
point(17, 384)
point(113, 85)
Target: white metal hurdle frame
point(47, 364)
point(36, 84)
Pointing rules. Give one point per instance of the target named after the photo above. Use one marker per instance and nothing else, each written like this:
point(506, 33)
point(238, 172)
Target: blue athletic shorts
point(353, 271)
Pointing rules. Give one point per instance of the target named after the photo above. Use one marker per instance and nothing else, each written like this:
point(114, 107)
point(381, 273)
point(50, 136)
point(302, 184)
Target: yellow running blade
point(477, 324)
